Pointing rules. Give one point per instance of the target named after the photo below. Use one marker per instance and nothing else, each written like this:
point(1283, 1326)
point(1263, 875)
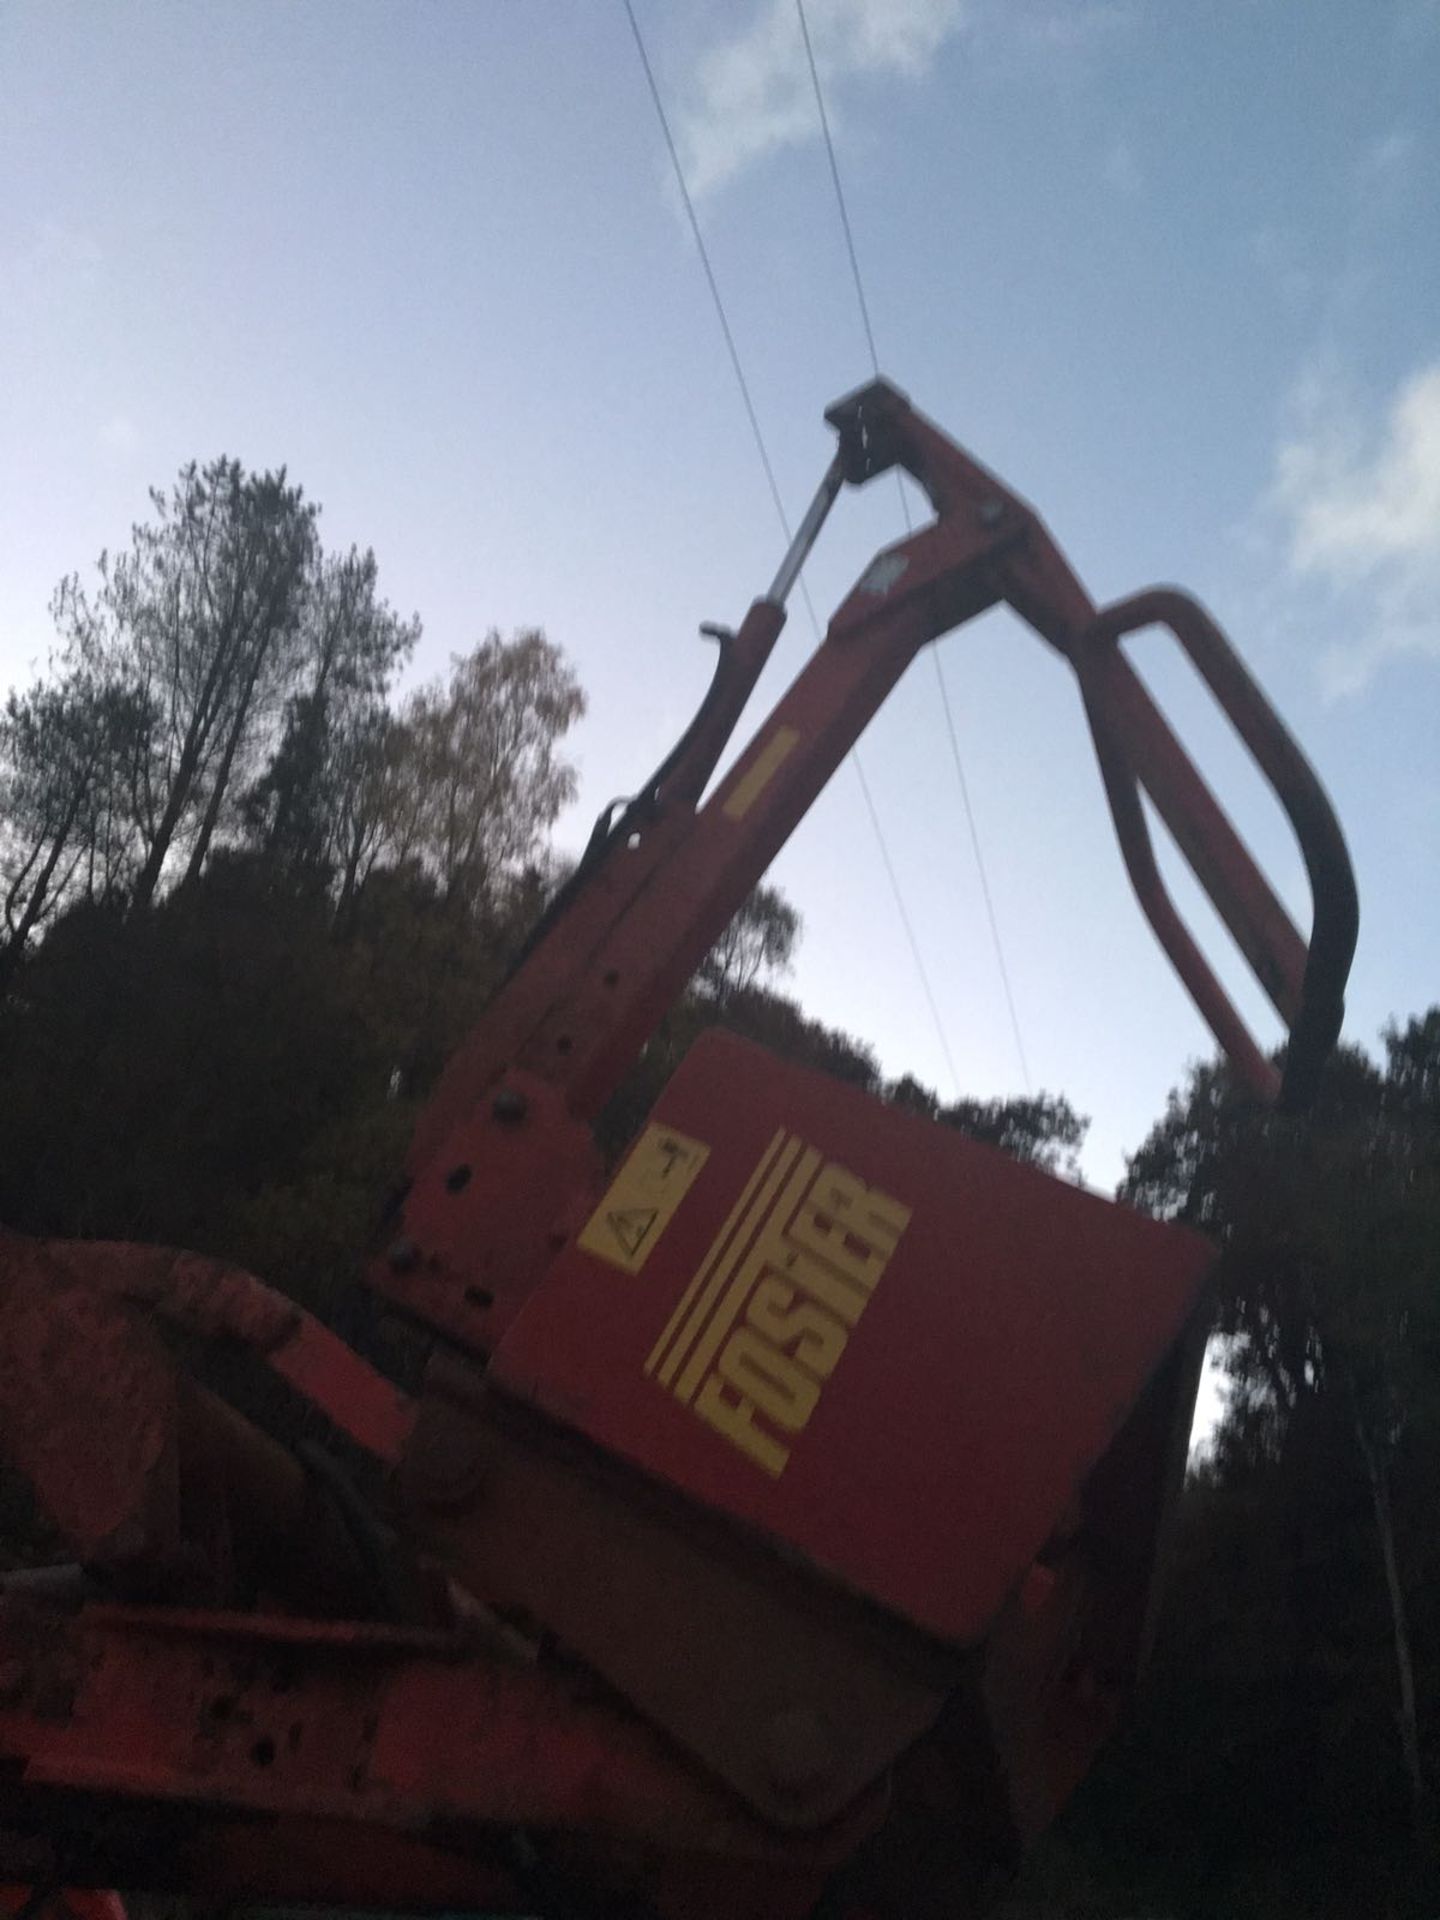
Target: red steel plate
point(886, 1345)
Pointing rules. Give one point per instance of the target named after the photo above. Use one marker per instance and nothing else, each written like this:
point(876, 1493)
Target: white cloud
point(752, 92)
point(1361, 510)
point(752, 96)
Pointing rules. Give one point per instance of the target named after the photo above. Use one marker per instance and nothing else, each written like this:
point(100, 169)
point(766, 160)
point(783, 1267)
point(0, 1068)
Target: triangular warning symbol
point(630, 1226)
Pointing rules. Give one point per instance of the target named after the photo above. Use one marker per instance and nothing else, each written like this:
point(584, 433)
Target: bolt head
point(991, 512)
point(509, 1105)
point(403, 1255)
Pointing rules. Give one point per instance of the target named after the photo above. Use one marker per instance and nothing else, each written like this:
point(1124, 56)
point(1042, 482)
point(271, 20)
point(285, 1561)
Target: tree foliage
point(352, 643)
point(1042, 1129)
point(223, 683)
point(476, 781)
point(64, 750)
point(1328, 1302)
point(201, 615)
point(758, 943)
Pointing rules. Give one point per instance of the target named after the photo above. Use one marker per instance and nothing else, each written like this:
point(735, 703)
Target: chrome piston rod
point(807, 533)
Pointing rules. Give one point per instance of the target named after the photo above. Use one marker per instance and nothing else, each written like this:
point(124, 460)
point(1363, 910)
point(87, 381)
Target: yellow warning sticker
point(658, 1173)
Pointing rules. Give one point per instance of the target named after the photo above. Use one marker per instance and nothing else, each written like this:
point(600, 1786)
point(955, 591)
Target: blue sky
point(1174, 272)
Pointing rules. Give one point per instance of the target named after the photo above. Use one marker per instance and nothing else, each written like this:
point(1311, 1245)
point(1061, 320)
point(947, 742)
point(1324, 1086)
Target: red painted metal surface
point(952, 1378)
point(146, 1474)
point(658, 894)
point(488, 1211)
point(798, 1703)
point(866, 1524)
point(69, 1903)
point(1136, 749)
point(886, 1403)
point(214, 1721)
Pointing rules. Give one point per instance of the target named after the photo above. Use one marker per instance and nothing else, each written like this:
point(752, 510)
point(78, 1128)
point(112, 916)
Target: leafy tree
point(370, 772)
point(350, 644)
point(166, 1062)
point(1412, 1073)
point(1042, 1129)
point(1271, 1765)
point(760, 940)
point(1329, 1301)
point(474, 776)
point(63, 750)
point(203, 615)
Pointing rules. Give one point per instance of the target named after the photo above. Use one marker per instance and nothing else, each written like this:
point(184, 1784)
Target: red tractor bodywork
point(780, 1508)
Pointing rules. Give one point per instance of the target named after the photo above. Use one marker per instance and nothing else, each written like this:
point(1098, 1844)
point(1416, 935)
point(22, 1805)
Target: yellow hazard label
point(643, 1196)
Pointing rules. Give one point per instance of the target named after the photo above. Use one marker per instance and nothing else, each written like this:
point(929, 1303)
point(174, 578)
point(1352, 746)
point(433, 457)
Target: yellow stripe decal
point(716, 1248)
point(761, 771)
point(730, 1259)
point(709, 1343)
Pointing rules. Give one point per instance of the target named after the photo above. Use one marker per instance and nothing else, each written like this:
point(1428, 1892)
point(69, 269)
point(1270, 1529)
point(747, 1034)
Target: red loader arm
point(779, 1510)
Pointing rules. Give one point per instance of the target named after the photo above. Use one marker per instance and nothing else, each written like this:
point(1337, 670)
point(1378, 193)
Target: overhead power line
point(784, 519)
point(906, 923)
point(845, 228)
point(990, 915)
point(839, 190)
point(954, 738)
point(704, 252)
